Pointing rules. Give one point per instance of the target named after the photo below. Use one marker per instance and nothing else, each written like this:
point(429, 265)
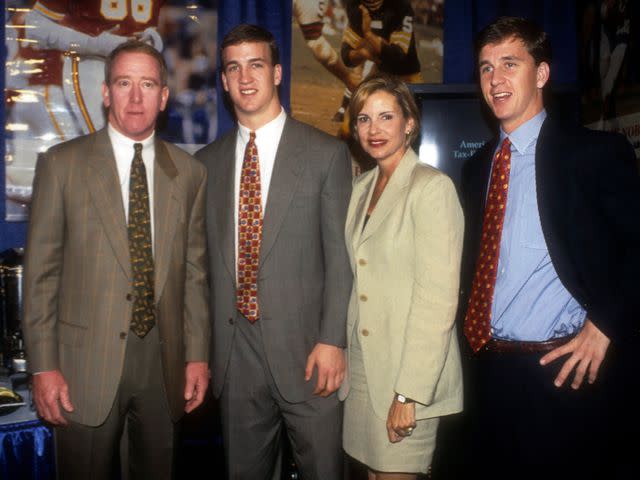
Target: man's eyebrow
point(128, 77)
point(505, 58)
point(251, 60)
point(511, 57)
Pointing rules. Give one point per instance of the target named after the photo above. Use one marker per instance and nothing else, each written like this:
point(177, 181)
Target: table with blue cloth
point(26, 445)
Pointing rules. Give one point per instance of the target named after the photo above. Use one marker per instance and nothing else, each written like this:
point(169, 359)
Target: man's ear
point(542, 74)
point(106, 100)
point(277, 74)
point(224, 82)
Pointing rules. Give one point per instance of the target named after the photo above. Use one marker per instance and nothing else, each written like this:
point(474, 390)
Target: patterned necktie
point(140, 248)
point(249, 232)
point(477, 323)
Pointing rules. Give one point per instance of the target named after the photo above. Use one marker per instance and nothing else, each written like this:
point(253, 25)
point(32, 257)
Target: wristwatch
point(402, 399)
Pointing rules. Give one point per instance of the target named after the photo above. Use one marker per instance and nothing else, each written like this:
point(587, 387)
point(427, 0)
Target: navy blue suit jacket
point(588, 191)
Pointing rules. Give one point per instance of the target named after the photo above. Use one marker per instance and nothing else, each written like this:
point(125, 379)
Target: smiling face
point(511, 82)
point(252, 82)
point(135, 95)
point(382, 128)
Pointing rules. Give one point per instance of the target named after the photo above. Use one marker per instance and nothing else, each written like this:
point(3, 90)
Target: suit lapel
point(223, 200)
point(361, 195)
point(289, 163)
point(393, 192)
point(166, 202)
point(107, 197)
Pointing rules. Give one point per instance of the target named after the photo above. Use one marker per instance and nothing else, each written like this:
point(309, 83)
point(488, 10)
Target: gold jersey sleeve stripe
point(401, 39)
point(47, 12)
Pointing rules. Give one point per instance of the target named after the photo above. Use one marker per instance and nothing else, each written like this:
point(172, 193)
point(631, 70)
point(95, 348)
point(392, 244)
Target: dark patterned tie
point(249, 232)
point(477, 323)
point(140, 247)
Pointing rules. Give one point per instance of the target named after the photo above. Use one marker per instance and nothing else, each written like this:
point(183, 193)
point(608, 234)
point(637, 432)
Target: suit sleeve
point(438, 228)
point(337, 272)
point(197, 327)
point(618, 199)
point(43, 266)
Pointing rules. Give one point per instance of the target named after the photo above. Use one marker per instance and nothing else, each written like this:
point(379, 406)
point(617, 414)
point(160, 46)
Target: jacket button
point(364, 298)
point(123, 335)
point(362, 262)
point(365, 332)
point(230, 321)
point(129, 297)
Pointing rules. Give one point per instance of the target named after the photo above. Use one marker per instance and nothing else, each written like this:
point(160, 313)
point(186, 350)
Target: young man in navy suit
point(552, 252)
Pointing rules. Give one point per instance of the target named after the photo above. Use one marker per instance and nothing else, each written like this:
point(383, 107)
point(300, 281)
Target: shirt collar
point(119, 139)
point(526, 133)
point(265, 131)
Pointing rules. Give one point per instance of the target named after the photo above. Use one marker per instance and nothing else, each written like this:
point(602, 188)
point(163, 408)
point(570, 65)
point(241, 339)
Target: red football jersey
point(120, 17)
point(91, 17)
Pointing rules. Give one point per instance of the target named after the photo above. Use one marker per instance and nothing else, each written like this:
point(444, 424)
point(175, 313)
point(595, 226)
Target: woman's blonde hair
point(390, 84)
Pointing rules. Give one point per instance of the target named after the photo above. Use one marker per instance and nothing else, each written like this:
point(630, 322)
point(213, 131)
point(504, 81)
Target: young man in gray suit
point(116, 316)
point(277, 199)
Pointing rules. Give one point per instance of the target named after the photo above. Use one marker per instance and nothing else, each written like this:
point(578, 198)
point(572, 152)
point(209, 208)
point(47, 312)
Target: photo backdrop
point(55, 66)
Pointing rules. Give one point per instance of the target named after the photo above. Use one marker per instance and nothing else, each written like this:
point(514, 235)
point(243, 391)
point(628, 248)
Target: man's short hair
point(136, 46)
point(534, 38)
point(247, 33)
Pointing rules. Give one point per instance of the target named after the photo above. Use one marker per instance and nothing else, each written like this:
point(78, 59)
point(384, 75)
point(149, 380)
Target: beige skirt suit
point(400, 328)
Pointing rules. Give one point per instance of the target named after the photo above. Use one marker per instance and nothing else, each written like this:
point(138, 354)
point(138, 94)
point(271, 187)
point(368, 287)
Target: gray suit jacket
point(304, 279)
point(78, 272)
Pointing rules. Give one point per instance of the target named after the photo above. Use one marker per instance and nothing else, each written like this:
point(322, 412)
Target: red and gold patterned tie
point(477, 323)
point(249, 232)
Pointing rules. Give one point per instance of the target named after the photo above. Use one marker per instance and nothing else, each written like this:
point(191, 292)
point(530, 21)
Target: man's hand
point(587, 350)
point(401, 418)
point(330, 362)
point(197, 375)
point(152, 37)
point(366, 20)
point(50, 390)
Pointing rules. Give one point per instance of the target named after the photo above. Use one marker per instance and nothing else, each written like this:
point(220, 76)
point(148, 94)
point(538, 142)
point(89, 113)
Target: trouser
point(254, 415)
point(523, 426)
point(84, 452)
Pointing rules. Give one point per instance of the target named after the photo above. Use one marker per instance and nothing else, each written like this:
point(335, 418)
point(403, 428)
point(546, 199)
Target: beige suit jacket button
point(362, 262)
point(364, 298)
point(123, 335)
point(365, 332)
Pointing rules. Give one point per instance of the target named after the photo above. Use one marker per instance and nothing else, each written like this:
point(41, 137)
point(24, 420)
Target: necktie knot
point(137, 148)
point(505, 151)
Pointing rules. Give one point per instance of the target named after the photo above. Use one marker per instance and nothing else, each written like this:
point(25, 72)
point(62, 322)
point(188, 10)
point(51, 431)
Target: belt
point(496, 345)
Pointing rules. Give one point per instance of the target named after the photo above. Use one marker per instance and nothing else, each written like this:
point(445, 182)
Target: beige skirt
point(365, 434)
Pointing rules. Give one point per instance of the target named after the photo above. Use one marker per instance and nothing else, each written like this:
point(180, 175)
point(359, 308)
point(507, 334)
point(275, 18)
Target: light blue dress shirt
point(530, 303)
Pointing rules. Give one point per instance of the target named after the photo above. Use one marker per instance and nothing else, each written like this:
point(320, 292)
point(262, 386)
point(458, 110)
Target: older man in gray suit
point(277, 198)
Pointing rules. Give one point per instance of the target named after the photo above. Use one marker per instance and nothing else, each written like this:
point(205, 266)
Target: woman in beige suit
point(404, 238)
